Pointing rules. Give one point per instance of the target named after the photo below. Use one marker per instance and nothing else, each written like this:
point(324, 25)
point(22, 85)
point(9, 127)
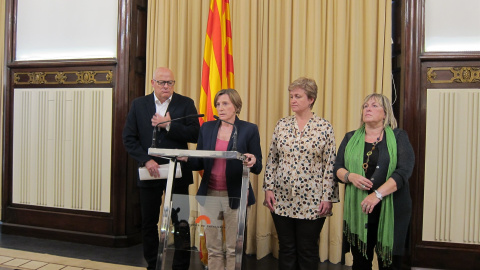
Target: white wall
point(452, 25)
point(66, 29)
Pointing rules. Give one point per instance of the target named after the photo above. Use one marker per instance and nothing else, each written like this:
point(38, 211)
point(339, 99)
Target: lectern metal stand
point(172, 154)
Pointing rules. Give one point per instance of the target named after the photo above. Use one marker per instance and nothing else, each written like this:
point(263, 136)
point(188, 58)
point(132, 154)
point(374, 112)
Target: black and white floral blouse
point(299, 168)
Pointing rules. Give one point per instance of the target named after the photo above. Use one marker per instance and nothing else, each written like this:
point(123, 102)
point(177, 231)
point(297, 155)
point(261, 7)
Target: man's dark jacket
point(138, 133)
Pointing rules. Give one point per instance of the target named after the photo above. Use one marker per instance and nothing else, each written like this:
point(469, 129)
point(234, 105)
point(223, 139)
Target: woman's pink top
point(218, 180)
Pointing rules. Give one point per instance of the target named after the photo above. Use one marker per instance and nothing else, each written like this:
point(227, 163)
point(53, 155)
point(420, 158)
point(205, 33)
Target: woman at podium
point(299, 186)
point(222, 178)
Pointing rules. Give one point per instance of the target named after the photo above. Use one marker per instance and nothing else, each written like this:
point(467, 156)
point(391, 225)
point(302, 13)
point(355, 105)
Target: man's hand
point(157, 118)
point(152, 168)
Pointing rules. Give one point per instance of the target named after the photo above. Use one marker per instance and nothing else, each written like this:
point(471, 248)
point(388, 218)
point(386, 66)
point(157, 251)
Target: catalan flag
point(217, 72)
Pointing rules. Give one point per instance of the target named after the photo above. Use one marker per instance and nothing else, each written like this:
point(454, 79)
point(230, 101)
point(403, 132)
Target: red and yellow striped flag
point(217, 72)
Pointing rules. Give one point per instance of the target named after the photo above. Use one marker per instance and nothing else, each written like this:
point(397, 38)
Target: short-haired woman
point(299, 185)
point(222, 178)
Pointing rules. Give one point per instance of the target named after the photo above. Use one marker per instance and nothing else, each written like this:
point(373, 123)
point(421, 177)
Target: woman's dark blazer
point(248, 141)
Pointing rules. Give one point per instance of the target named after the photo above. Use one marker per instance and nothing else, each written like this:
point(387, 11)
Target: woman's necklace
point(369, 153)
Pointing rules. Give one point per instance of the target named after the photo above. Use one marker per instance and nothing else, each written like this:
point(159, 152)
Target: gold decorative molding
point(64, 77)
point(454, 74)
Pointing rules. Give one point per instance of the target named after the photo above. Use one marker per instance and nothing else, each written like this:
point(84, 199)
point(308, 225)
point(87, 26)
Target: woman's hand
point(369, 203)
point(371, 200)
point(250, 160)
point(325, 208)
point(269, 200)
point(360, 182)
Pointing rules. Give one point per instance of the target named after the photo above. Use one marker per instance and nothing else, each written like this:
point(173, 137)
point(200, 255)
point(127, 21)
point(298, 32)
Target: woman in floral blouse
point(299, 186)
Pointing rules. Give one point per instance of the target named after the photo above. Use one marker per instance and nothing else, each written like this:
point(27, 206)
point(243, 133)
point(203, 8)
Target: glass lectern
point(195, 213)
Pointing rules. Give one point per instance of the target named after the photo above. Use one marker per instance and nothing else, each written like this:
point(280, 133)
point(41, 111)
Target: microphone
point(154, 135)
point(234, 145)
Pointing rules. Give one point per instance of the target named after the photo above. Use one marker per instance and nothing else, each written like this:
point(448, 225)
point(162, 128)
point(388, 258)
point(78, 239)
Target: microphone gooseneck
point(234, 144)
point(180, 118)
point(154, 135)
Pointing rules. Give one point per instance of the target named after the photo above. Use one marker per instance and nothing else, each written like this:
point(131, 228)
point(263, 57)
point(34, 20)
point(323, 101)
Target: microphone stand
point(234, 144)
point(154, 135)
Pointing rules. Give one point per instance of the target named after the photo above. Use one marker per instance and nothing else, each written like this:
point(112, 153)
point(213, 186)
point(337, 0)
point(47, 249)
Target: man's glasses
point(169, 83)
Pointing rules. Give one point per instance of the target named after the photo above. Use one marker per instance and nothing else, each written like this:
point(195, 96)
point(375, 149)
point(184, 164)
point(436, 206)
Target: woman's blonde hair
point(234, 98)
point(308, 85)
point(387, 108)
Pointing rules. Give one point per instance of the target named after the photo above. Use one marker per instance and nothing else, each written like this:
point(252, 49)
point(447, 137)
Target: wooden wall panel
point(417, 79)
point(62, 157)
point(452, 204)
point(125, 76)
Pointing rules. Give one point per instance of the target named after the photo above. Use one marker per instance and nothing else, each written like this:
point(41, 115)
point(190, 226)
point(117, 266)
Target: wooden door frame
point(415, 64)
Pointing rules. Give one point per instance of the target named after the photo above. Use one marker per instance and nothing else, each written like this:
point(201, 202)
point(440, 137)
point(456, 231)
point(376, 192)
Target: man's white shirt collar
point(161, 108)
point(157, 101)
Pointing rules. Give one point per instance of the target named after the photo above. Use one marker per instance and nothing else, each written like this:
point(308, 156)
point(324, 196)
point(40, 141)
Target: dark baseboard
point(118, 241)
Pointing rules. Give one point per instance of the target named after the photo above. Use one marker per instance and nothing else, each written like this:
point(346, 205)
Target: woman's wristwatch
point(378, 194)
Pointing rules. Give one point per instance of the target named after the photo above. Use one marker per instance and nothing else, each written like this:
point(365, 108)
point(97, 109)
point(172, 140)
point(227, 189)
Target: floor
point(19, 252)
point(22, 253)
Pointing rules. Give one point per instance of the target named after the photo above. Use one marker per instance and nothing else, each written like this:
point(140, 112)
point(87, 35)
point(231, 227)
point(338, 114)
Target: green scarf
point(354, 219)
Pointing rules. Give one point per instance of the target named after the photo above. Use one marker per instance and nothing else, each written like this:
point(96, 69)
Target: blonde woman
point(374, 162)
